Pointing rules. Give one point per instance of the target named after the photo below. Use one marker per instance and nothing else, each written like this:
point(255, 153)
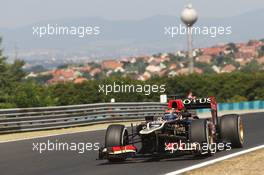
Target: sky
point(16, 13)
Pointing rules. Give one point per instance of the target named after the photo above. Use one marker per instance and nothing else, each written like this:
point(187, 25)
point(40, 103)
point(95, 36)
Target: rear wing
point(197, 103)
point(200, 103)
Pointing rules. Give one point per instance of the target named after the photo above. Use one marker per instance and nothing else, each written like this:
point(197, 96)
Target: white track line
point(199, 165)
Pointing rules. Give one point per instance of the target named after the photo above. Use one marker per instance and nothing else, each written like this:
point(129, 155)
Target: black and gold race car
point(177, 131)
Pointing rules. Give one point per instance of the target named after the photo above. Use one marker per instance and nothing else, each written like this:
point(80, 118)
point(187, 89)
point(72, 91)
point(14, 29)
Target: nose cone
point(189, 15)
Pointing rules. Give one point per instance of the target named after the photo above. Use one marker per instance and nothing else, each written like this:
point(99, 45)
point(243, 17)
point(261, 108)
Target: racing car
point(178, 130)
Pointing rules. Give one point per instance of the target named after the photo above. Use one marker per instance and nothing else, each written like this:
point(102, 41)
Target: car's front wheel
point(116, 135)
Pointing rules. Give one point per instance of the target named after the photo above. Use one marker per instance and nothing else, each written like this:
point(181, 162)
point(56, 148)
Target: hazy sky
point(23, 12)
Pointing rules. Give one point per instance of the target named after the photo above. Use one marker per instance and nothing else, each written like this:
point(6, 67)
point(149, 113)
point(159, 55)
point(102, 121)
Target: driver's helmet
point(170, 115)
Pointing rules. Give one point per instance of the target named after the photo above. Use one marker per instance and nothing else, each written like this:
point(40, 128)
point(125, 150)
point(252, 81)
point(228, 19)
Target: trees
point(225, 87)
point(261, 51)
point(232, 47)
point(252, 66)
point(10, 75)
point(36, 69)
point(28, 94)
point(16, 92)
point(205, 67)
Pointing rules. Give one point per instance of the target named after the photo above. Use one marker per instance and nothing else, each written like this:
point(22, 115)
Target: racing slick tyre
point(116, 135)
point(200, 134)
point(231, 130)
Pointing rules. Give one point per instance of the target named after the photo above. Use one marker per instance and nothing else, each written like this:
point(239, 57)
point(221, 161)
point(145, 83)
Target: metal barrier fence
point(28, 119)
point(247, 105)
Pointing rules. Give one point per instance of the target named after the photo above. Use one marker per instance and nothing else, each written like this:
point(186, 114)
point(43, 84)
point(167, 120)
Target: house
point(144, 58)
point(86, 68)
point(111, 64)
point(56, 80)
point(79, 80)
point(125, 60)
point(172, 73)
point(238, 45)
point(119, 69)
point(181, 54)
point(133, 60)
point(185, 71)
point(163, 72)
point(162, 66)
point(164, 57)
point(50, 72)
point(145, 76)
point(204, 59)
point(243, 61)
point(255, 43)
point(244, 55)
point(153, 69)
point(260, 60)
point(154, 61)
point(173, 66)
point(108, 73)
point(228, 68)
point(216, 69)
point(213, 51)
point(77, 74)
point(247, 51)
point(151, 59)
point(65, 74)
point(31, 75)
point(181, 65)
point(95, 71)
point(198, 70)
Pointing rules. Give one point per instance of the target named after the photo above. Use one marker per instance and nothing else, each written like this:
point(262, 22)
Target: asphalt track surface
point(18, 158)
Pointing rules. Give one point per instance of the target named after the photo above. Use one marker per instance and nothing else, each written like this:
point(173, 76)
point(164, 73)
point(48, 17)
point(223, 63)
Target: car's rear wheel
point(232, 130)
point(200, 135)
point(116, 135)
